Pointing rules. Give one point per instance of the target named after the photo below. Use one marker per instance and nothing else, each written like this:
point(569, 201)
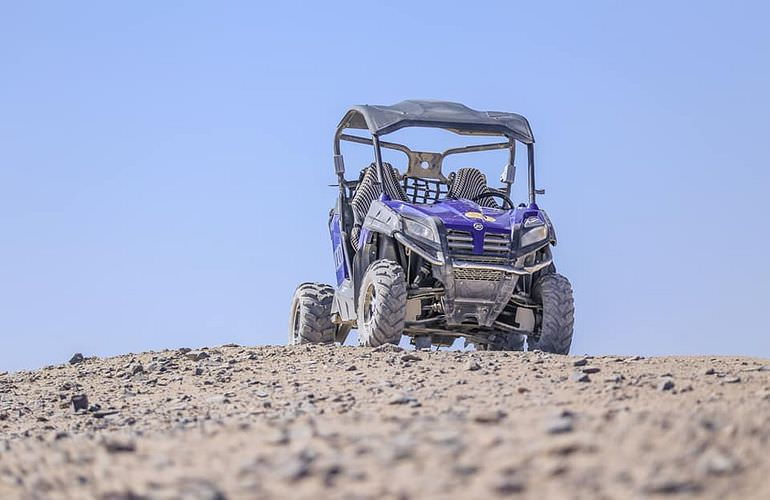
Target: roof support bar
point(378, 159)
point(531, 169)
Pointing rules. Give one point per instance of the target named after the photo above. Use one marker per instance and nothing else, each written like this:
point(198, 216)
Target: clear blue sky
point(163, 164)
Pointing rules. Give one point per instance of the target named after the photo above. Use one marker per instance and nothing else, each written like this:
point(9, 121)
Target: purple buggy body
point(435, 257)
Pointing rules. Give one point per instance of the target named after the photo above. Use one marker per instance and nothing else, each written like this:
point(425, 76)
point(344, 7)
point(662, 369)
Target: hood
point(460, 214)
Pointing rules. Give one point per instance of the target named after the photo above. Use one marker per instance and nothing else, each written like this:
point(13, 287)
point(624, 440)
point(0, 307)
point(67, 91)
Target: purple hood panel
point(461, 214)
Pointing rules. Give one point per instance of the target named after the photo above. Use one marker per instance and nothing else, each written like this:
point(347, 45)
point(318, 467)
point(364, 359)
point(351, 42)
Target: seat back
point(469, 182)
point(368, 190)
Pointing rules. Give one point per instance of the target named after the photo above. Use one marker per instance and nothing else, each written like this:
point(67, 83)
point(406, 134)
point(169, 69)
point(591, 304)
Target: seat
point(368, 190)
point(468, 183)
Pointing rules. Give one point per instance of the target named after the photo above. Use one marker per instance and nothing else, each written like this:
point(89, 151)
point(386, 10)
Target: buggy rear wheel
point(510, 342)
point(554, 292)
point(310, 318)
point(382, 304)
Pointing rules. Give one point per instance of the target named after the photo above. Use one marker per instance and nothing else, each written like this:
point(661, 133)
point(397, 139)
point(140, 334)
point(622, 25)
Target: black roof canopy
point(452, 116)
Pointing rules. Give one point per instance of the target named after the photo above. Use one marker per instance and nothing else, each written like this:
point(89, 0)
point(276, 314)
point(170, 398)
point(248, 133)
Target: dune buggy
point(432, 256)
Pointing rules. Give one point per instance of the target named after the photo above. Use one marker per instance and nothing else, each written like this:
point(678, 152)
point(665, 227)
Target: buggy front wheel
point(382, 304)
point(554, 292)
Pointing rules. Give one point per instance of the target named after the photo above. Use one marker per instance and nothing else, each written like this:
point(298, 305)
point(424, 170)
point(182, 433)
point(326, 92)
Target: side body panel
point(338, 249)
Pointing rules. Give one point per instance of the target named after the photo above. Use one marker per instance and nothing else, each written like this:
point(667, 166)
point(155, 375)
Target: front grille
point(459, 242)
point(473, 274)
point(497, 244)
point(484, 259)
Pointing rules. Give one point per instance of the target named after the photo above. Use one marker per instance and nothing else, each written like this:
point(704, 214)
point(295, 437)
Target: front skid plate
point(470, 300)
point(440, 336)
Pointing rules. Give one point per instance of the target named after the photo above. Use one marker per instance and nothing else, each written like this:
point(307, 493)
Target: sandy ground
point(332, 422)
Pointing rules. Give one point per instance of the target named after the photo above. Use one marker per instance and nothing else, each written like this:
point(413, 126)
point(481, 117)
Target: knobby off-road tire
point(555, 293)
point(310, 318)
point(382, 304)
point(511, 342)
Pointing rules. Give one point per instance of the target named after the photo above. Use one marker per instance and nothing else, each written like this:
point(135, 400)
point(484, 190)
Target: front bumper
point(479, 291)
point(520, 266)
point(476, 287)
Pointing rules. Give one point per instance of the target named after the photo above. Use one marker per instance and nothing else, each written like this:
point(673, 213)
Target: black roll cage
point(426, 164)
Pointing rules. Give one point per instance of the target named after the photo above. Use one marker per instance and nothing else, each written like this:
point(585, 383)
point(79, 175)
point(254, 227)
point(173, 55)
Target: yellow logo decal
point(479, 215)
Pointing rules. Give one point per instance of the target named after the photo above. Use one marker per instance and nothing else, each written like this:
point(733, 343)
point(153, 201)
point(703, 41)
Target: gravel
point(311, 422)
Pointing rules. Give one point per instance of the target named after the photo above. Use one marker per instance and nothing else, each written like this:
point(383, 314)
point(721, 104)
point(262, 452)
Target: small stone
point(580, 362)
point(197, 355)
point(295, 469)
point(561, 424)
point(670, 486)
point(717, 464)
point(119, 445)
point(472, 365)
point(666, 384)
point(410, 357)
point(522, 390)
point(137, 369)
point(77, 358)
point(590, 369)
point(732, 380)
point(401, 399)
point(580, 377)
point(465, 469)
point(198, 371)
point(351, 368)
point(184, 350)
point(489, 417)
point(80, 402)
point(104, 413)
point(509, 485)
point(709, 371)
point(388, 348)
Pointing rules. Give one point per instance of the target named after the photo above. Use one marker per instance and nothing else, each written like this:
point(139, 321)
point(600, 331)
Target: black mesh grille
point(471, 274)
point(425, 191)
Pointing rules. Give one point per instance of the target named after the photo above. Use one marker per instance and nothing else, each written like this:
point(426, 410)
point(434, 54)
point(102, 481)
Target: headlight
point(532, 222)
point(532, 236)
point(420, 229)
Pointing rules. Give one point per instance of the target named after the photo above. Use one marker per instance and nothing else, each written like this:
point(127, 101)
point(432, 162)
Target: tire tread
point(315, 302)
point(555, 293)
